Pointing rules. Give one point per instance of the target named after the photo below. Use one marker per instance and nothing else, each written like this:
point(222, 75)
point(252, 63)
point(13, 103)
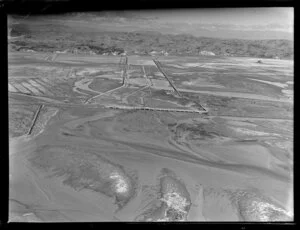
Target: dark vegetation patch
point(103, 85)
point(247, 140)
point(165, 95)
point(20, 119)
point(197, 131)
point(82, 169)
point(100, 72)
point(141, 122)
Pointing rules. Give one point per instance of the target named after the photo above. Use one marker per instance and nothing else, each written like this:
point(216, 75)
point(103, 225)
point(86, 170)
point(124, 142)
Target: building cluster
point(162, 52)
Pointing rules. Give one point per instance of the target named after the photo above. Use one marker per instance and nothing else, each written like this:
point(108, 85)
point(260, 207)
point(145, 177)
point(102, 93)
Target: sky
point(224, 23)
point(241, 16)
point(265, 23)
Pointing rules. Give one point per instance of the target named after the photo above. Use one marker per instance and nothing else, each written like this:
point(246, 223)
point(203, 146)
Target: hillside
point(51, 36)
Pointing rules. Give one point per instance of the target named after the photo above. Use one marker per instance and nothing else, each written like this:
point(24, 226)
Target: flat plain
point(126, 138)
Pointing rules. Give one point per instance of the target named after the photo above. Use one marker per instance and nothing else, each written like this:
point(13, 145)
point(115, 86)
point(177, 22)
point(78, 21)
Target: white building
point(207, 53)
point(154, 52)
point(61, 52)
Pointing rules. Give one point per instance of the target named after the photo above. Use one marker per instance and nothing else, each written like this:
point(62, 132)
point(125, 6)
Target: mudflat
point(96, 154)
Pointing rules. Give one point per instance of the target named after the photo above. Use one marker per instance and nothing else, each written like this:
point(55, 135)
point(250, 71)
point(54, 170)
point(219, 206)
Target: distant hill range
point(53, 37)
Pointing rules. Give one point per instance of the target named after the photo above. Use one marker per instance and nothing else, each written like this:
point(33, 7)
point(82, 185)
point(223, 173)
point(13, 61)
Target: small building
point(153, 52)
point(207, 53)
point(165, 53)
point(61, 52)
point(124, 53)
point(75, 51)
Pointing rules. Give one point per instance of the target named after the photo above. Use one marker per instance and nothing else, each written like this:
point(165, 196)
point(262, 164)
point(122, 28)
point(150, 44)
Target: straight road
point(35, 118)
point(153, 109)
point(160, 69)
